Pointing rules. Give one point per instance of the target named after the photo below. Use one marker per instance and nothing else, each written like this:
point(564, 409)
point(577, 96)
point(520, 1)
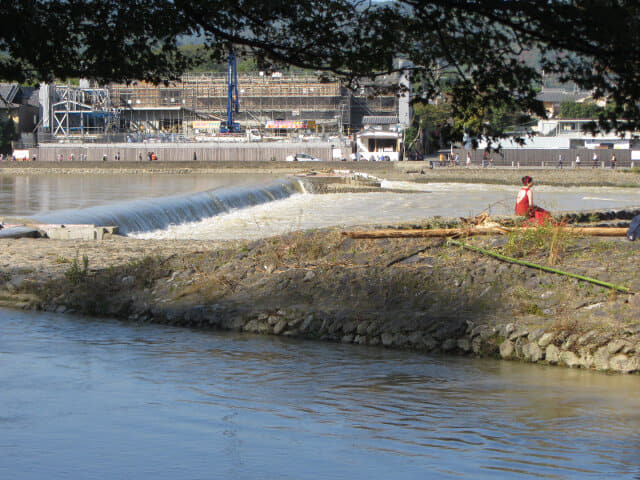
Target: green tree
point(7, 135)
point(588, 110)
point(488, 44)
point(433, 121)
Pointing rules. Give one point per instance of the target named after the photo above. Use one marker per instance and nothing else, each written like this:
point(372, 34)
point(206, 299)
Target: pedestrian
point(104, 158)
point(560, 161)
point(595, 159)
point(613, 161)
point(195, 157)
point(468, 160)
point(578, 161)
point(140, 156)
point(456, 160)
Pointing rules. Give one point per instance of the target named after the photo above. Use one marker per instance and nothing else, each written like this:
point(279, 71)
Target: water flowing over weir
point(158, 213)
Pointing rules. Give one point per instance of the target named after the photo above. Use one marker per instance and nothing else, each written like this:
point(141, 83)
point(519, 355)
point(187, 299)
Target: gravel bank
point(415, 294)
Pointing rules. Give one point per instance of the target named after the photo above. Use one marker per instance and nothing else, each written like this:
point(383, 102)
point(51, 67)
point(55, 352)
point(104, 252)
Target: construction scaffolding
point(146, 109)
point(82, 111)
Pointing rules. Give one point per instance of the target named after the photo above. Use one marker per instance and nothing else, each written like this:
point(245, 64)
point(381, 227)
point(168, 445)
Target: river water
point(100, 399)
point(39, 195)
point(86, 398)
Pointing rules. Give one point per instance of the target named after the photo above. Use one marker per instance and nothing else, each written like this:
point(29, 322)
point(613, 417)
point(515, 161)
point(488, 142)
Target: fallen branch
point(540, 267)
point(423, 232)
point(457, 232)
point(422, 250)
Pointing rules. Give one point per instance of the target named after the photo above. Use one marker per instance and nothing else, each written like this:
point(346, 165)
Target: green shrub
point(550, 239)
point(76, 273)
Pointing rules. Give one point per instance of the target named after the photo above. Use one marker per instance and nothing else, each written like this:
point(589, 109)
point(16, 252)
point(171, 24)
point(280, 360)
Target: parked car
point(302, 157)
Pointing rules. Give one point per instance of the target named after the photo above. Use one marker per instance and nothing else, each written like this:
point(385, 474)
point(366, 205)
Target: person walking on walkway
point(595, 159)
point(578, 161)
point(613, 161)
point(560, 161)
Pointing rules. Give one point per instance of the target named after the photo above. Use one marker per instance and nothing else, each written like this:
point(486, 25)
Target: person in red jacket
point(524, 203)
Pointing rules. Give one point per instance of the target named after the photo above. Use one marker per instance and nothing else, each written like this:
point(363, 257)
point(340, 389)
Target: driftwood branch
point(438, 243)
point(456, 232)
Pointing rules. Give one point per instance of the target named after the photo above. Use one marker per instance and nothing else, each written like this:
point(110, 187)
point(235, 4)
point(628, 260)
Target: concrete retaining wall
point(181, 152)
point(549, 158)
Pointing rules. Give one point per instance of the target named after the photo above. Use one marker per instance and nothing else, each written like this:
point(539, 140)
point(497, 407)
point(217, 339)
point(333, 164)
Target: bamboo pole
point(452, 232)
point(422, 233)
point(540, 267)
point(598, 231)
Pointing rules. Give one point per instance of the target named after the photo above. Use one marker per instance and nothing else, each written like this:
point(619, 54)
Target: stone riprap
point(418, 294)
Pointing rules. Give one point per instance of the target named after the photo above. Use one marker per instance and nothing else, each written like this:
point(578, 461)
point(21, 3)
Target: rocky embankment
point(420, 294)
point(409, 171)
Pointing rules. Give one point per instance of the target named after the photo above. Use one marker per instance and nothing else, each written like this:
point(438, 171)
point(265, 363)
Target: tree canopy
point(579, 110)
point(486, 44)
point(7, 134)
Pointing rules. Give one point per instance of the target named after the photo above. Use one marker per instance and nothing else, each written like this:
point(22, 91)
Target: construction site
point(205, 106)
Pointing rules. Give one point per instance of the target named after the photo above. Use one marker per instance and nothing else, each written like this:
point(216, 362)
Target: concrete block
point(77, 232)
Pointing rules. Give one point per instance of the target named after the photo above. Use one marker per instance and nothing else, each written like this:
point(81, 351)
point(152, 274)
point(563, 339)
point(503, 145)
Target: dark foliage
point(7, 135)
point(594, 43)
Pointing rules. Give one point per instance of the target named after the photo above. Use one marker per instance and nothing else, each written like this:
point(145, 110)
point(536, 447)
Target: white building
point(566, 134)
point(380, 139)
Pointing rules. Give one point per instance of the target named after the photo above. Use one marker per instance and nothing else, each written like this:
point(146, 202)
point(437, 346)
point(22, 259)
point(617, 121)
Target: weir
point(160, 212)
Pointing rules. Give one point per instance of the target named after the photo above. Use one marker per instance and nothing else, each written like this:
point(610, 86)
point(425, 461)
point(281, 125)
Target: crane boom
point(233, 103)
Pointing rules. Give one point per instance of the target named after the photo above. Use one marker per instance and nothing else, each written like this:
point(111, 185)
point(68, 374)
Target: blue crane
point(233, 104)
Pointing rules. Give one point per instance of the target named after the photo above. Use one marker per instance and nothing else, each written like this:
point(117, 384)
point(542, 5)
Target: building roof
point(379, 120)
point(13, 95)
point(8, 93)
point(559, 95)
point(30, 96)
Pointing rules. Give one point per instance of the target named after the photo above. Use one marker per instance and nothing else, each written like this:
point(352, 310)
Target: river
point(96, 398)
point(39, 195)
point(87, 399)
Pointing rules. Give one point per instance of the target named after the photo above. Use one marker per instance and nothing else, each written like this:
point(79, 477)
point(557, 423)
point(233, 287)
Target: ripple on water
point(247, 406)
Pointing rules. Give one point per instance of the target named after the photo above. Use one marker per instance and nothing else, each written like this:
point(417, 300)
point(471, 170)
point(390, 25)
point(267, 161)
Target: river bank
point(399, 171)
point(420, 294)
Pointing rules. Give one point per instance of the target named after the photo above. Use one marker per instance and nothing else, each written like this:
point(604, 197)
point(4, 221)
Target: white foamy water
point(244, 206)
point(306, 211)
